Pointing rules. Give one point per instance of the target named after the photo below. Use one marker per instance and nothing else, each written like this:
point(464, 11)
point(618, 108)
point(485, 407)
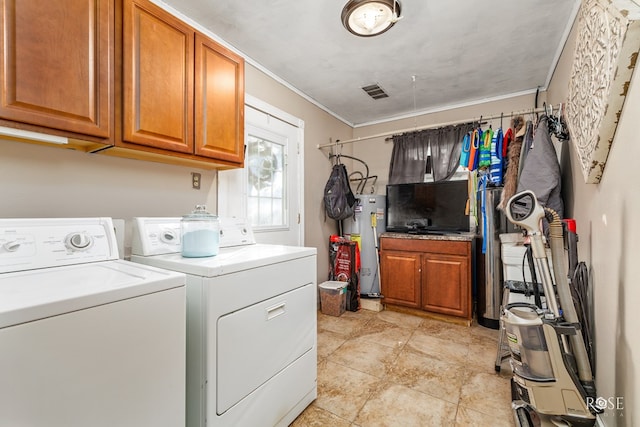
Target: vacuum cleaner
point(552, 383)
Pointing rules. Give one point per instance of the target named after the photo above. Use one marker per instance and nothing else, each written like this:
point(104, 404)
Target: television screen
point(427, 207)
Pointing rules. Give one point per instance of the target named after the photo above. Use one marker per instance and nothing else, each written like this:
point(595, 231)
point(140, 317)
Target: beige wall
point(41, 181)
point(606, 215)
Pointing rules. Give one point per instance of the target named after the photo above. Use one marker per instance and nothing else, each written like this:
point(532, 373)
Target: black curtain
point(409, 155)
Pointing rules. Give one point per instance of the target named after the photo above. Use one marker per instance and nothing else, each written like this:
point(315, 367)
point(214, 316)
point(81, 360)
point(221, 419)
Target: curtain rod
point(433, 126)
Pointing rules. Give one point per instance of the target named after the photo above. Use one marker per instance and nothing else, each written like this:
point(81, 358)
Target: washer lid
point(37, 294)
point(229, 260)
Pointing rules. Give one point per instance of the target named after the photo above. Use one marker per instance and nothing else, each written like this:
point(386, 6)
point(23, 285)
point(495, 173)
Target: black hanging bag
point(339, 201)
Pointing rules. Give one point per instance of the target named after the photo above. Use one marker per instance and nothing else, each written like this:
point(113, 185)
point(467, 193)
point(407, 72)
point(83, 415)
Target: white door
point(268, 190)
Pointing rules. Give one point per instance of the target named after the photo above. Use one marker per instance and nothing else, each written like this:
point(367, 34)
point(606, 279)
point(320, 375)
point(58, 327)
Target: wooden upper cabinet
point(57, 64)
point(124, 73)
point(182, 92)
point(219, 97)
point(157, 78)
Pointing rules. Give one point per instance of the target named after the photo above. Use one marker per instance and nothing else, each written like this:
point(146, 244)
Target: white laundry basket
point(333, 297)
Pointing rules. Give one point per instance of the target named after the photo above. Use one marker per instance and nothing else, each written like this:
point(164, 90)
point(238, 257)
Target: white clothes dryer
point(86, 339)
point(251, 324)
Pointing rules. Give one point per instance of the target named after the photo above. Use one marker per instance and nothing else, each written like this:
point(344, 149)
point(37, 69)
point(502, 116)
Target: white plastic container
point(513, 253)
point(200, 233)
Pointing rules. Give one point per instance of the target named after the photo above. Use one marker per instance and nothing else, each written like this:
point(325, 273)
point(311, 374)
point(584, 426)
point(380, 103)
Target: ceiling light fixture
point(366, 18)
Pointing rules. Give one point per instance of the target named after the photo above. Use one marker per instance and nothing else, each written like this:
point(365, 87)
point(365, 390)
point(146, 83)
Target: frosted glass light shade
point(368, 18)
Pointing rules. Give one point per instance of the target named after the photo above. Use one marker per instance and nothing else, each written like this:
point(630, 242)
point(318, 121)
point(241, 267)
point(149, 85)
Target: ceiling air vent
point(375, 91)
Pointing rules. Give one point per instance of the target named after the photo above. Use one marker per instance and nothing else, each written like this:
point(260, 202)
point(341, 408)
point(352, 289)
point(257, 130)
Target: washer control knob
point(11, 246)
point(78, 241)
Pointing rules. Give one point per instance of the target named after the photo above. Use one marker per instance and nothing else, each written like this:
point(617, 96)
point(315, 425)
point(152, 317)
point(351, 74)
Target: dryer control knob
point(78, 241)
point(169, 236)
point(11, 246)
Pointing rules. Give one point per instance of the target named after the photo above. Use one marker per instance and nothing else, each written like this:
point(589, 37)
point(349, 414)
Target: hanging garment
point(485, 149)
point(495, 170)
point(466, 147)
point(473, 147)
point(508, 137)
point(527, 145)
point(476, 137)
point(476, 158)
point(472, 204)
point(541, 172)
point(482, 195)
point(513, 161)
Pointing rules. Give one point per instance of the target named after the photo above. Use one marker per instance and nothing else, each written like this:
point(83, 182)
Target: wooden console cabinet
point(430, 273)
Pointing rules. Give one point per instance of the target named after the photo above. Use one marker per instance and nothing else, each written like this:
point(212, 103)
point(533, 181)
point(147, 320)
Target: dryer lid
point(229, 260)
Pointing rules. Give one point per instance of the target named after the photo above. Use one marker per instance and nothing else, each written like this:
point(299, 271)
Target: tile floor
point(394, 369)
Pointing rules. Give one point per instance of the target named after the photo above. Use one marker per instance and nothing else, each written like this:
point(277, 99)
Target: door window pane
point(266, 183)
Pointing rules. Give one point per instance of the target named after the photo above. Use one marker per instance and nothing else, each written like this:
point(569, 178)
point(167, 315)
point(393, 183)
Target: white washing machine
point(251, 324)
point(86, 339)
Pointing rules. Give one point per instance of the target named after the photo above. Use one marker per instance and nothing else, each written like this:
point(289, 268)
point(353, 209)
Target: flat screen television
point(427, 207)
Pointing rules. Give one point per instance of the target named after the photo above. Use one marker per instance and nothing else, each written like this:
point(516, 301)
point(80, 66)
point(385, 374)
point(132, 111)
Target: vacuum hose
point(564, 295)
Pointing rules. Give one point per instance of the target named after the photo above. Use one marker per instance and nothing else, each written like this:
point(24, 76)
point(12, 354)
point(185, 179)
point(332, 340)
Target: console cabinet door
point(445, 284)
point(219, 96)
point(400, 273)
point(158, 63)
point(57, 64)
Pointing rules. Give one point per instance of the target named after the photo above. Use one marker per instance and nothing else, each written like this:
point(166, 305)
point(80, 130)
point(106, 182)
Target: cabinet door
point(219, 95)
point(400, 272)
point(57, 64)
point(157, 78)
point(446, 284)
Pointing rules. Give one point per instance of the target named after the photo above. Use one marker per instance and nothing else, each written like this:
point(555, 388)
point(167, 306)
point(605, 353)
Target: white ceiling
point(460, 52)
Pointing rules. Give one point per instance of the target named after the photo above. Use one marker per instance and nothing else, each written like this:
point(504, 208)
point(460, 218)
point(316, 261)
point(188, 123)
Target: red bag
point(344, 259)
